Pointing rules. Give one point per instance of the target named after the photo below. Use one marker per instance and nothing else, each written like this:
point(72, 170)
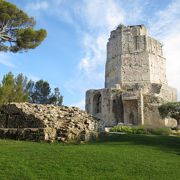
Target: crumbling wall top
point(136, 30)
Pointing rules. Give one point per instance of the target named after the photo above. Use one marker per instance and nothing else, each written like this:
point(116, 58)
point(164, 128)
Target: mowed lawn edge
point(112, 157)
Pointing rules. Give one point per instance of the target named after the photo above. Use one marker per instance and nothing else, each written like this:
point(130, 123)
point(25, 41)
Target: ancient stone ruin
point(135, 81)
point(27, 121)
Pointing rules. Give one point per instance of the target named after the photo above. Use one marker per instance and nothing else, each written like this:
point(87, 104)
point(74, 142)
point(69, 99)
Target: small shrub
point(161, 131)
point(126, 129)
point(141, 130)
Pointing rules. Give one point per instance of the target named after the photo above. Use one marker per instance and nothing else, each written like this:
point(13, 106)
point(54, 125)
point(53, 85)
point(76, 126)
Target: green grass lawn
point(116, 157)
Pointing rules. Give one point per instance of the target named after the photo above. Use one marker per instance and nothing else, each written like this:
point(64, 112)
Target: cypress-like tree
point(7, 89)
point(14, 89)
point(21, 95)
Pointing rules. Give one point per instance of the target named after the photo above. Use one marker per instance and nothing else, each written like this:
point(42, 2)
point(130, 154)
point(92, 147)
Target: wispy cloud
point(38, 5)
point(166, 27)
point(94, 53)
point(60, 9)
point(100, 17)
point(5, 60)
point(101, 14)
point(96, 18)
point(166, 21)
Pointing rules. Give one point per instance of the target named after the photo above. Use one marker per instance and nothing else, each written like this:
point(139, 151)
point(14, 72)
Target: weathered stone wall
point(154, 47)
point(134, 57)
point(135, 68)
point(45, 122)
point(129, 107)
point(135, 74)
point(113, 63)
point(126, 49)
point(157, 69)
point(151, 112)
point(111, 105)
point(131, 112)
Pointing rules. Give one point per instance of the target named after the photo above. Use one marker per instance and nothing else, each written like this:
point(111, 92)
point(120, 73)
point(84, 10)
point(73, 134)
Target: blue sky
point(74, 53)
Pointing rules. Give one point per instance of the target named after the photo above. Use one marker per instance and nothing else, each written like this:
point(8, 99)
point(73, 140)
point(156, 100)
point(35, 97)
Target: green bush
point(161, 131)
point(171, 109)
point(141, 130)
point(126, 129)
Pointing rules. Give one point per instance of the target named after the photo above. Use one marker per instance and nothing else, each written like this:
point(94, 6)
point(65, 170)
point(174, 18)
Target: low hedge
point(141, 130)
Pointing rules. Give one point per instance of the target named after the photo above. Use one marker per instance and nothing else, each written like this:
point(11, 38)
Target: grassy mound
point(113, 157)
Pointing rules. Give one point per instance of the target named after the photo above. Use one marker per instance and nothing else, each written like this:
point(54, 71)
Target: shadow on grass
point(165, 143)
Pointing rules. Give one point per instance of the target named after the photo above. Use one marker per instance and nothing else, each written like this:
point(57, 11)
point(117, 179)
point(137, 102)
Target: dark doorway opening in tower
point(131, 111)
point(97, 102)
point(117, 109)
point(131, 118)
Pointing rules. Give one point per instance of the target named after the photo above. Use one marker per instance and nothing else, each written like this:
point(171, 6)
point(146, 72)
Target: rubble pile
point(36, 122)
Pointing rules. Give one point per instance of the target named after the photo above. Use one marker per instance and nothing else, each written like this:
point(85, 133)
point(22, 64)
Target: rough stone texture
point(135, 80)
point(170, 122)
point(45, 122)
point(134, 57)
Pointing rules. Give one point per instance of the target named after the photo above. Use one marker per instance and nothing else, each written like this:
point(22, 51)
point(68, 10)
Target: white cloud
point(38, 5)
point(97, 18)
point(166, 21)
point(102, 17)
point(57, 8)
point(94, 53)
point(166, 27)
point(135, 11)
point(102, 14)
point(172, 53)
point(5, 60)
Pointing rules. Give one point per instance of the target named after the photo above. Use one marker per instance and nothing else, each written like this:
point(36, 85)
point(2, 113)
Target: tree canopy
point(13, 89)
point(20, 89)
point(171, 110)
point(40, 93)
point(17, 29)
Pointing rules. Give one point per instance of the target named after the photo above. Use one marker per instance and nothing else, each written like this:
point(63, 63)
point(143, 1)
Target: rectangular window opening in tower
point(136, 43)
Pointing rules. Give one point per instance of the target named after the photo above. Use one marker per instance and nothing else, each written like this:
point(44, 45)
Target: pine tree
point(56, 98)
point(17, 29)
point(20, 89)
point(7, 89)
point(59, 97)
point(21, 95)
point(41, 92)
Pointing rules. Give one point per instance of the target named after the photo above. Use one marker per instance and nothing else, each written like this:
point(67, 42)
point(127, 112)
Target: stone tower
point(135, 80)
